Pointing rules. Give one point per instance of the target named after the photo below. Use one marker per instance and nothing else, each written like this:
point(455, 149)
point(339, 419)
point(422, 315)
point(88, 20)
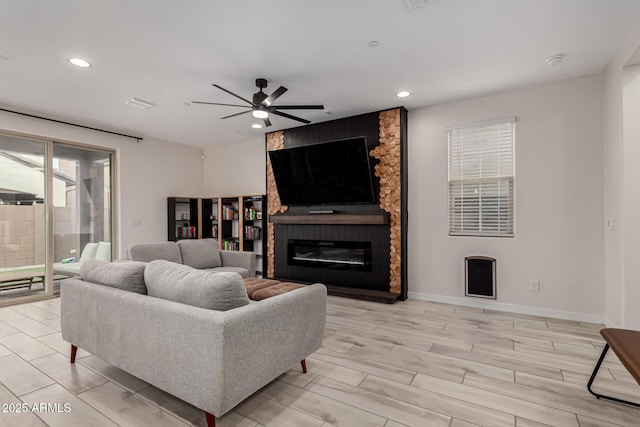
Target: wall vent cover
point(414, 4)
point(134, 102)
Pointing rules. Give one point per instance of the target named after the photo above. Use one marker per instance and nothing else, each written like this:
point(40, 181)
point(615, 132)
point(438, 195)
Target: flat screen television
point(329, 173)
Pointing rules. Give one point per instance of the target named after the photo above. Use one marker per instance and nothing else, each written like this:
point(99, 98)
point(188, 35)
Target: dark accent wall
point(369, 126)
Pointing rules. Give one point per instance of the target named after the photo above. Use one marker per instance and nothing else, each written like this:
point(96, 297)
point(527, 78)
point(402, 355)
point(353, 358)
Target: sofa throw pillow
point(89, 252)
point(200, 253)
point(126, 275)
point(186, 285)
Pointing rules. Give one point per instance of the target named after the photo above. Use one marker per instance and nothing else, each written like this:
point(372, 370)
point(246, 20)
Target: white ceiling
point(169, 53)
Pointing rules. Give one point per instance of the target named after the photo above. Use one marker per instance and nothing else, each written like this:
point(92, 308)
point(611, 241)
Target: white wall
point(631, 195)
point(559, 202)
point(148, 173)
point(235, 169)
point(620, 288)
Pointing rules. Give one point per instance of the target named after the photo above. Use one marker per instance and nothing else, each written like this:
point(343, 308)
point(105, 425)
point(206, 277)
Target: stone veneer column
point(275, 141)
point(388, 172)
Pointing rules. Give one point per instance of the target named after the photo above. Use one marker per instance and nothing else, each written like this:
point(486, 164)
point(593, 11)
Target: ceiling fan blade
point(216, 103)
point(289, 116)
point(298, 107)
point(236, 114)
point(275, 95)
point(237, 96)
point(267, 122)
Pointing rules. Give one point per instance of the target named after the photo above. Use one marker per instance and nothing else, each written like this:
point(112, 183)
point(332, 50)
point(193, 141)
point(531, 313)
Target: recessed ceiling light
point(260, 114)
point(403, 94)
point(79, 62)
point(373, 43)
point(256, 126)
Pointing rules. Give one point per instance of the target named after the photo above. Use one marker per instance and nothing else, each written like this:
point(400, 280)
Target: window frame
point(487, 224)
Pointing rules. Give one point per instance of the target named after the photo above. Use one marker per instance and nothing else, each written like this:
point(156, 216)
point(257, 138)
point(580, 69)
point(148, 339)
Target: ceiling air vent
point(414, 4)
point(138, 103)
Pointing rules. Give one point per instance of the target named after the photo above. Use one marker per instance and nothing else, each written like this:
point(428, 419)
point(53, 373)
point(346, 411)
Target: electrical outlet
point(534, 286)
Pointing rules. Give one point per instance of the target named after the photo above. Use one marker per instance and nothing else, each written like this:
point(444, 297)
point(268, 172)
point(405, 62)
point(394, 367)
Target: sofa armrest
point(268, 337)
point(239, 259)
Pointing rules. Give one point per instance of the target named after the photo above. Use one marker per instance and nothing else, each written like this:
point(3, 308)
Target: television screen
point(329, 173)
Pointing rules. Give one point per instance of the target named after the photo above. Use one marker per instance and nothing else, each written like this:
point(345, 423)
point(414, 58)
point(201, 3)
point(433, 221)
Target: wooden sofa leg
point(304, 366)
point(74, 350)
point(211, 419)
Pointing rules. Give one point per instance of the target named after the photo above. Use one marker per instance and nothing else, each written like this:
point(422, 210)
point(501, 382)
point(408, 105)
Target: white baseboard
point(511, 308)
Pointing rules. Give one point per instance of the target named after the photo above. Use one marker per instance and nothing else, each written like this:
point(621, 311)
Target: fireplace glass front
point(336, 255)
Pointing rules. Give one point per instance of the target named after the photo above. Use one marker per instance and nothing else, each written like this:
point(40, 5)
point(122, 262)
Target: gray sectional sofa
point(201, 254)
point(191, 333)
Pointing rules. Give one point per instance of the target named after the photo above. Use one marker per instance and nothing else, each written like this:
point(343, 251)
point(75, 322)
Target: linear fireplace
point(346, 255)
point(336, 255)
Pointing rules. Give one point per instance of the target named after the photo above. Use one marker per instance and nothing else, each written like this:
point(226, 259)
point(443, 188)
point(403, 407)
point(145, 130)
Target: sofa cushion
point(147, 252)
point(200, 288)
point(126, 275)
point(200, 253)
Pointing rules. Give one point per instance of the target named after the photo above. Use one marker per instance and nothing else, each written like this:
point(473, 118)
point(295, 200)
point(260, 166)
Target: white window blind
point(481, 179)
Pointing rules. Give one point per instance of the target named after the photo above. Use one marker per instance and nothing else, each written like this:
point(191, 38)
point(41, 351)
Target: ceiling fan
point(262, 104)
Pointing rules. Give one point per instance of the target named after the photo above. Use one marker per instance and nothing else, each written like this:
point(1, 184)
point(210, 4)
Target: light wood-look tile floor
point(414, 363)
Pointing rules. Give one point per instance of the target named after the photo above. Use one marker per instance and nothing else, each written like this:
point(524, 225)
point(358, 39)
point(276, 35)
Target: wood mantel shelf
point(351, 219)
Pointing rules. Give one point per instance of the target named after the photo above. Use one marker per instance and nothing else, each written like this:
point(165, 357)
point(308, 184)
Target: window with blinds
point(481, 179)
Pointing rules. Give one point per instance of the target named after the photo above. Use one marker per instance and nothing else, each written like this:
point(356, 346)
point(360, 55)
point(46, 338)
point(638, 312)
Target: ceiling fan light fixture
point(260, 114)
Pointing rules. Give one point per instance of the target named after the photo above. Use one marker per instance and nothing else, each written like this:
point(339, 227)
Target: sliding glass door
point(22, 217)
point(55, 212)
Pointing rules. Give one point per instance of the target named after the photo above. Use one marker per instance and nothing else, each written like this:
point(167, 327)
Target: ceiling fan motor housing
point(258, 97)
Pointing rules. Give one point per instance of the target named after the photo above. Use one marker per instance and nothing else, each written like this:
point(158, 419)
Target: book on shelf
point(230, 245)
point(252, 233)
point(229, 212)
point(186, 232)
